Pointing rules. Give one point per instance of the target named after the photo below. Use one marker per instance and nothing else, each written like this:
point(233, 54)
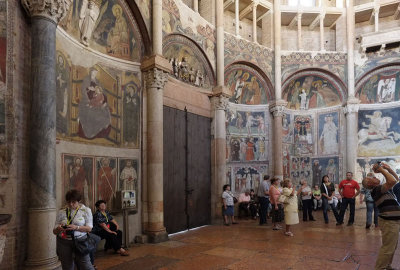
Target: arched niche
point(247, 84)
point(109, 27)
point(381, 85)
point(189, 62)
point(321, 89)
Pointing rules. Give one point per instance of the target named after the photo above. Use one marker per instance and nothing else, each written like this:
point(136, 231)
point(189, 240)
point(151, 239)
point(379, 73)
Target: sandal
point(288, 233)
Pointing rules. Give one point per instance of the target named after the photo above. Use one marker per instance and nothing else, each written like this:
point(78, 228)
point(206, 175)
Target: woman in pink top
point(277, 207)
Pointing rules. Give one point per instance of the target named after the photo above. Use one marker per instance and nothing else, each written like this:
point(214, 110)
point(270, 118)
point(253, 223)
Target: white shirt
point(83, 217)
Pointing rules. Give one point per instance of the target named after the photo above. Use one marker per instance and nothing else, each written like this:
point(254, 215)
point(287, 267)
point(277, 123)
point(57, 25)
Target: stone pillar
point(255, 3)
point(351, 112)
point(376, 17)
point(41, 243)
point(196, 5)
point(155, 70)
point(350, 46)
point(157, 27)
point(277, 47)
point(299, 40)
point(278, 111)
point(219, 9)
point(219, 103)
point(321, 31)
point(237, 32)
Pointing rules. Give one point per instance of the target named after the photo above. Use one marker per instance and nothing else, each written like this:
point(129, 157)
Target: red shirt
point(349, 188)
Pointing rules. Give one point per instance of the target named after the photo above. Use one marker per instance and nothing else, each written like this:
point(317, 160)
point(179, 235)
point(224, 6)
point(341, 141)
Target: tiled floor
point(315, 245)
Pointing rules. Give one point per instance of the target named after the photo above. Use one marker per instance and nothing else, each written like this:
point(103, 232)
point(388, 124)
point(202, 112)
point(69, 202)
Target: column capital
point(352, 106)
point(54, 10)
point(219, 102)
point(156, 70)
point(278, 108)
point(322, 15)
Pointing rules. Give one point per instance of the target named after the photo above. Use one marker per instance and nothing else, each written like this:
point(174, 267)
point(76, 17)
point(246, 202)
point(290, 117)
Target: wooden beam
point(246, 11)
point(334, 23)
point(397, 13)
point(293, 22)
point(263, 16)
point(372, 17)
point(227, 3)
point(315, 22)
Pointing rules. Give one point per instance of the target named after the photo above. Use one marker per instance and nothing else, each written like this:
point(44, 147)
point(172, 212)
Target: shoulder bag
point(85, 245)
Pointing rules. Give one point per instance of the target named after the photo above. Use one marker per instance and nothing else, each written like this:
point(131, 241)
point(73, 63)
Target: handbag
point(283, 199)
point(85, 245)
point(329, 201)
point(235, 200)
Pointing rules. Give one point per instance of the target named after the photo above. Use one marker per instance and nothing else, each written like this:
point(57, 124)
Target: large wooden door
point(187, 174)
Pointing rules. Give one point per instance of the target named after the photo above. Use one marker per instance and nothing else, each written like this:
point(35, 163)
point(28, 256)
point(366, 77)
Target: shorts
point(228, 211)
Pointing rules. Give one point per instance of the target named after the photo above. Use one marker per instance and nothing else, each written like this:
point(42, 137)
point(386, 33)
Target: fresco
point(246, 85)
point(97, 104)
point(128, 174)
point(303, 134)
point(311, 91)
point(246, 122)
point(105, 26)
point(106, 179)
point(325, 166)
point(78, 174)
point(381, 86)
point(379, 132)
point(328, 133)
point(364, 166)
point(189, 64)
point(3, 58)
point(247, 176)
point(286, 154)
point(287, 129)
point(245, 149)
point(365, 63)
point(146, 10)
point(300, 169)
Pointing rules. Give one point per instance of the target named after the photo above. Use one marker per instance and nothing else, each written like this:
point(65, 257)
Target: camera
point(64, 226)
point(379, 163)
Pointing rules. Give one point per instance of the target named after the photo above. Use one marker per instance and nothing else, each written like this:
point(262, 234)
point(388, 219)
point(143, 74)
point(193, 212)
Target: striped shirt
point(387, 203)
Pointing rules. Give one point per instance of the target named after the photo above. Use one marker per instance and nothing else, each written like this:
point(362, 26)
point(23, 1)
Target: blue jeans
point(343, 207)
point(264, 203)
point(325, 206)
point(372, 207)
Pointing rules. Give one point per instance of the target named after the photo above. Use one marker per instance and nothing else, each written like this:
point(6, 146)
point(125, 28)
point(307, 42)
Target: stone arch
point(323, 89)
point(176, 48)
point(256, 88)
point(144, 32)
point(380, 85)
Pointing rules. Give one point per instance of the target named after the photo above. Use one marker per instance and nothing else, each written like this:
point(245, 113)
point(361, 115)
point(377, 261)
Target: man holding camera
point(389, 212)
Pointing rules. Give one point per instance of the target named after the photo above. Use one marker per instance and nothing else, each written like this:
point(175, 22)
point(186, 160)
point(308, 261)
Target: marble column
point(237, 31)
point(299, 39)
point(351, 112)
point(376, 18)
point(255, 3)
point(278, 111)
point(350, 24)
point(157, 27)
point(219, 104)
point(196, 5)
point(219, 24)
point(277, 47)
point(41, 246)
point(155, 70)
point(321, 31)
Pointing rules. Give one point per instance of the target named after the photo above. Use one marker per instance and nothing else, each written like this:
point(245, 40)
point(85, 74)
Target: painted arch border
point(176, 38)
point(261, 74)
point(332, 78)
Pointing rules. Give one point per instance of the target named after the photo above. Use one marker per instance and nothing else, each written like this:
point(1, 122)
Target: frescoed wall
point(3, 90)
point(247, 177)
point(247, 85)
point(330, 166)
point(364, 166)
point(328, 133)
point(380, 86)
point(379, 132)
point(105, 26)
point(303, 134)
point(310, 90)
point(300, 169)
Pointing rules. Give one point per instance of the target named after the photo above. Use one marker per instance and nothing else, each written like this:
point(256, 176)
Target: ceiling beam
point(245, 11)
point(263, 16)
point(334, 23)
point(315, 22)
point(397, 13)
point(375, 12)
point(227, 3)
point(293, 21)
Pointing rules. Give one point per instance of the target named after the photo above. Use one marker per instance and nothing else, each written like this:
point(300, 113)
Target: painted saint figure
point(128, 176)
point(132, 114)
point(303, 100)
point(118, 37)
point(89, 13)
point(106, 181)
point(328, 138)
point(77, 178)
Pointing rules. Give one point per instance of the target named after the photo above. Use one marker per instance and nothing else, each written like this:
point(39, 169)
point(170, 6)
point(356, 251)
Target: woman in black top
point(327, 192)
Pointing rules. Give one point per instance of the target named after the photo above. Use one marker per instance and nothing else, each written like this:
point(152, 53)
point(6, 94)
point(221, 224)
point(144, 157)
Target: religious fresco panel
point(128, 174)
point(286, 157)
point(105, 26)
point(145, 9)
point(364, 166)
point(246, 85)
point(380, 86)
point(287, 128)
point(328, 133)
point(247, 176)
point(248, 123)
point(303, 134)
point(247, 149)
point(97, 104)
point(311, 91)
point(364, 63)
point(106, 180)
point(379, 132)
point(300, 168)
point(77, 173)
point(330, 166)
point(189, 64)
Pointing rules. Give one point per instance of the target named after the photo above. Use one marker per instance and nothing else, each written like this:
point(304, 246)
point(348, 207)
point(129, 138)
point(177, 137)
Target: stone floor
point(315, 245)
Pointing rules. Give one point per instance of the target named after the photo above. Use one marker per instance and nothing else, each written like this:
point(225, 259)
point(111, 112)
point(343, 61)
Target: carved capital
point(352, 106)
point(278, 108)
point(219, 102)
point(54, 10)
point(155, 78)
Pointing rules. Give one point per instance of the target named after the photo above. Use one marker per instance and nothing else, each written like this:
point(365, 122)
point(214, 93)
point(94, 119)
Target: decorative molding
point(352, 106)
point(54, 10)
point(155, 78)
point(220, 102)
point(278, 108)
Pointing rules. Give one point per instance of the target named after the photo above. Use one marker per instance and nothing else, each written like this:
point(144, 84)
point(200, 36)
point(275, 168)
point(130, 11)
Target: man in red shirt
point(347, 189)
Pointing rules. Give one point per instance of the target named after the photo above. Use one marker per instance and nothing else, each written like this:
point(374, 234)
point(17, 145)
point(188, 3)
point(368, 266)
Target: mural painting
point(97, 104)
point(328, 133)
point(105, 26)
point(145, 9)
point(189, 64)
point(364, 166)
point(287, 128)
point(128, 174)
point(379, 132)
point(78, 174)
point(310, 92)
point(229, 178)
point(303, 134)
point(363, 63)
point(247, 177)
point(300, 169)
point(246, 123)
point(4, 159)
point(325, 166)
point(286, 154)
point(106, 179)
point(381, 86)
point(244, 149)
point(246, 85)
